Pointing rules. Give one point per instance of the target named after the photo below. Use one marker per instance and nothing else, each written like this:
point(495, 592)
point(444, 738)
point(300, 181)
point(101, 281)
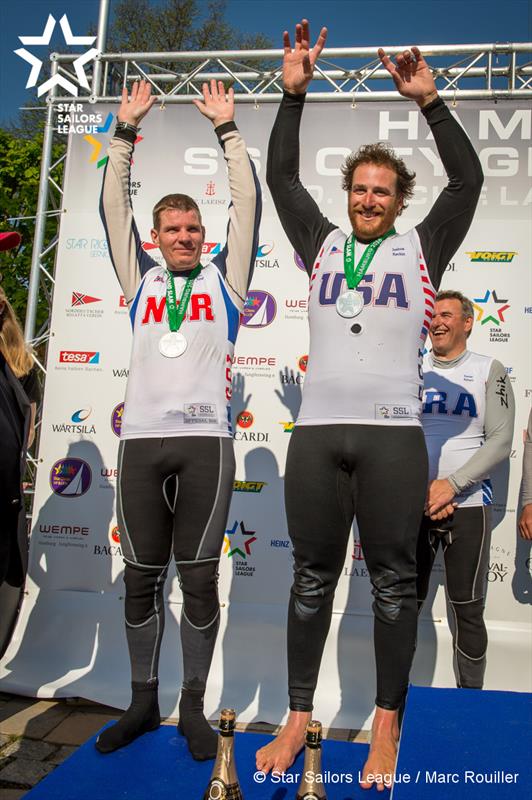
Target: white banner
point(70, 639)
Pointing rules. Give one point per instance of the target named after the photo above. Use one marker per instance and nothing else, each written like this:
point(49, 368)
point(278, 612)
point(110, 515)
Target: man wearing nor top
point(468, 422)
point(358, 446)
point(176, 422)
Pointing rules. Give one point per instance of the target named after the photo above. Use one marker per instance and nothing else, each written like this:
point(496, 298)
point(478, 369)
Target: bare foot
point(380, 766)
point(281, 753)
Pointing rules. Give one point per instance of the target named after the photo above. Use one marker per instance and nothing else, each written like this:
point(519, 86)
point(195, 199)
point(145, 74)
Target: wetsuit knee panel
point(199, 584)
point(311, 590)
point(390, 593)
point(144, 589)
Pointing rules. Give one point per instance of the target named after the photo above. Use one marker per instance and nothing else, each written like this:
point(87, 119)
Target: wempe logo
point(64, 530)
point(260, 309)
point(70, 477)
point(495, 256)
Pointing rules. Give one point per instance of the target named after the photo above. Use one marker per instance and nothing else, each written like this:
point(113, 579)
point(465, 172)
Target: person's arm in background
point(498, 427)
point(525, 520)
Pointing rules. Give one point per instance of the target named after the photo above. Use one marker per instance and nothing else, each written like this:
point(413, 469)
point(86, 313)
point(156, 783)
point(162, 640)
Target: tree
point(19, 184)
point(176, 25)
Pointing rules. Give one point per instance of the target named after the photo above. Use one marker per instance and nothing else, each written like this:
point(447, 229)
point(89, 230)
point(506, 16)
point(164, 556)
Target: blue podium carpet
point(158, 766)
point(454, 744)
point(463, 743)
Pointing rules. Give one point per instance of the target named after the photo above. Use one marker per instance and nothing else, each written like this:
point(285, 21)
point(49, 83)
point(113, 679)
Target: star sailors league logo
point(44, 40)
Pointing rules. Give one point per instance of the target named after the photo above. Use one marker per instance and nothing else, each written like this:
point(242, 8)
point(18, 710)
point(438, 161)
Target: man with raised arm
point(175, 459)
point(358, 447)
point(468, 422)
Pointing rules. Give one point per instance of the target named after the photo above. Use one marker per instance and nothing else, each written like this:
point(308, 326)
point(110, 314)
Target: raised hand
point(217, 106)
point(412, 75)
point(133, 109)
point(298, 64)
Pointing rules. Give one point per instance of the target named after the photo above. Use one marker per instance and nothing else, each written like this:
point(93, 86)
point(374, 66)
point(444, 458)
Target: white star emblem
point(36, 63)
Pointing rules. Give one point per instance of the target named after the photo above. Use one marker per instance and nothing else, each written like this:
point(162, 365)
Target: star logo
point(247, 536)
point(503, 306)
point(44, 40)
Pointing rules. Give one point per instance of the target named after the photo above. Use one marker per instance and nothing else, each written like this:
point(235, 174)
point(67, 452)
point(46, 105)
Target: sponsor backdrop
point(70, 638)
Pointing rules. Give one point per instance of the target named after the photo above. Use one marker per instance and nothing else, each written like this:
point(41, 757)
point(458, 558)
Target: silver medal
point(172, 344)
point(350, 303)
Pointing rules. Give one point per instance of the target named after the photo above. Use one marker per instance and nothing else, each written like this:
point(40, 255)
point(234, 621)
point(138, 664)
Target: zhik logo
point(36, 63)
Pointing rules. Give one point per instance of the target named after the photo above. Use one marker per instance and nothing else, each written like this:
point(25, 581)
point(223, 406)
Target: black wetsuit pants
point(465, 539)
point(379, 474)
point(173, 499)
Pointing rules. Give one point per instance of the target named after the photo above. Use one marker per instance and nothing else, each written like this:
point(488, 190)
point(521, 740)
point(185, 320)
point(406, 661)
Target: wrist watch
point(126, 126)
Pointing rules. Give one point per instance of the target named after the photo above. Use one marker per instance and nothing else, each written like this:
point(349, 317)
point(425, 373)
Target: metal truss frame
point(495, 72)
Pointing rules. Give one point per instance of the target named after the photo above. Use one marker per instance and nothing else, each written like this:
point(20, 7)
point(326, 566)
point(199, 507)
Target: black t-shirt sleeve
point(444, 228)
point(30, 384)
point(303, 222)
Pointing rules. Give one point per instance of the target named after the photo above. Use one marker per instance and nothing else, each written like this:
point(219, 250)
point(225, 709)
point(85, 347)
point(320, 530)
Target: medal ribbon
point(176, 313)
point(353, 275)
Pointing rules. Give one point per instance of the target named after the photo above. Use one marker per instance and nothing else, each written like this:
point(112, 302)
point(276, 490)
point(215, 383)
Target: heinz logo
point(78, 357)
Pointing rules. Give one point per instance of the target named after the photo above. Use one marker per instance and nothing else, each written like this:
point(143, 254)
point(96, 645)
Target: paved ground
point(37, 735)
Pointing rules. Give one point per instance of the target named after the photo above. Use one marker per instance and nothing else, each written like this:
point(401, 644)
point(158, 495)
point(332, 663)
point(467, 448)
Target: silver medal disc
point(172, 344)
point(350, 303)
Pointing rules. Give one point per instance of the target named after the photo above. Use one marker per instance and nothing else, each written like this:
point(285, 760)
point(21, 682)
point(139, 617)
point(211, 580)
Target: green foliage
point(20, 160)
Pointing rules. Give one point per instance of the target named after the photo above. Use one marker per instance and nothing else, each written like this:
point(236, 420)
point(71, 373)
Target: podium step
point(464, 743)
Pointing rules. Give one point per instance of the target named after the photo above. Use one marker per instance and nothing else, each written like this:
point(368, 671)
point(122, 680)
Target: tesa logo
point(79, 357)
point(245, 419)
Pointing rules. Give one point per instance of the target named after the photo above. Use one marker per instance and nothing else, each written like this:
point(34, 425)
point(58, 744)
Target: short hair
point(465, 302)
point(181, 202)
point(383, 155)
